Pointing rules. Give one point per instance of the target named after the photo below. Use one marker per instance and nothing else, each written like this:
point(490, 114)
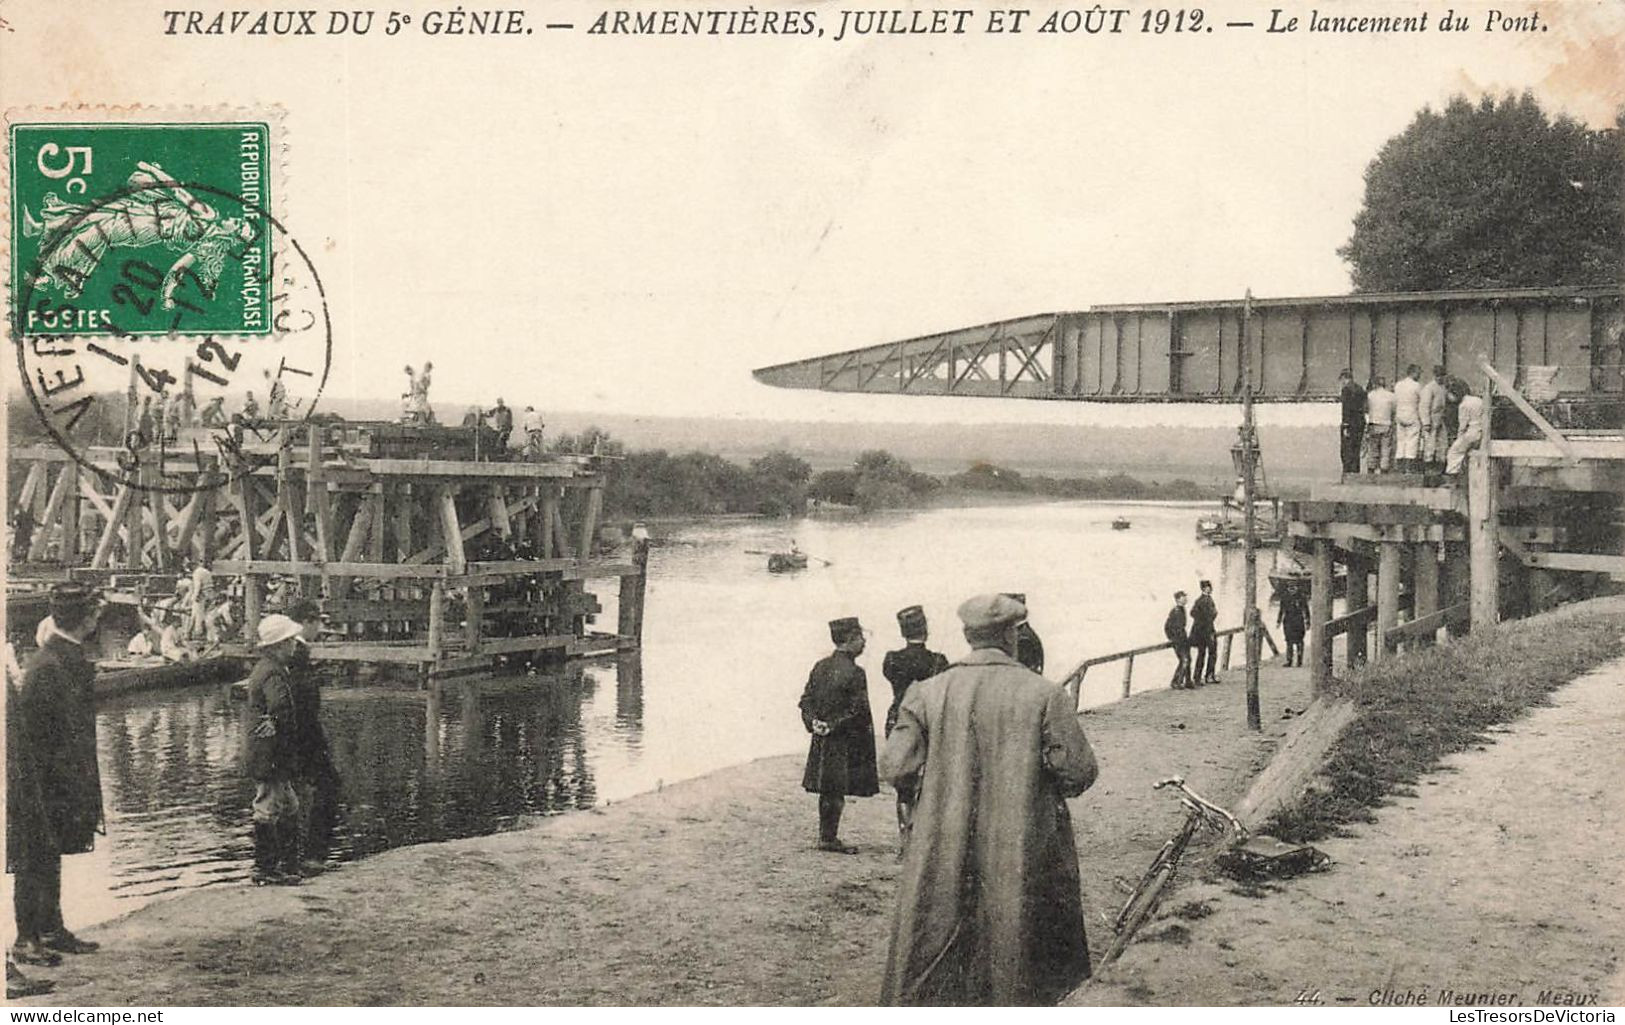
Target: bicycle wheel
point(1141, 907)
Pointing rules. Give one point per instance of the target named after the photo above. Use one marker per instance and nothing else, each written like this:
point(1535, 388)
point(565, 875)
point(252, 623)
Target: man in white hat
point(989, 909)
point(271, 753)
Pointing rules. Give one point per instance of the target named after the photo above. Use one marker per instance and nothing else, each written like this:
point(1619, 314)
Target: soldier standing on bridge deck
point(1173, 628)
point(1435, 431)
point(1379, 427)
point(1029, 649)
point(1352, 433)
point(1408, 420)
point(904, 668)
point(841, 755)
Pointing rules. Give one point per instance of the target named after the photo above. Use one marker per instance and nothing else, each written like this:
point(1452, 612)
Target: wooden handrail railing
point(1073, 681)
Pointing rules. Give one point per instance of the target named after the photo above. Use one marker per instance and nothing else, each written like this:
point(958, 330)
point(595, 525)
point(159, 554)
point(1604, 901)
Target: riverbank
point(1492, 878)
point(707, 892)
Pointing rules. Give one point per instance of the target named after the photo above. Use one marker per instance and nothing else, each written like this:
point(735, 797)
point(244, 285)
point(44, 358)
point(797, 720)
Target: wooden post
point(451, 533)
point(1224, 656)
point(135, 525)
point(376, 518)
point(251, 608)
point(473, 623)
point(32, 485)
point(1249, 494)
point(403, 522)
point(1128, 675)
point(1359, 597)
point(497, 505)
point(589, 520)
point(70, 515)
point(1426, 578)
point(40, 500)
point(160, 518)
point(318, 498)
point(437, 621)
point(630, 626)
point(1483, 537)
point(242, 493)
point(549, 516)
point(123, 495)
point(1320, 613)
point(59, 498)
point(1388, 569)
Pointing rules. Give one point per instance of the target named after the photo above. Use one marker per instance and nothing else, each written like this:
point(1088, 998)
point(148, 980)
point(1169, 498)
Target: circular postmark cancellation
point(168, 331)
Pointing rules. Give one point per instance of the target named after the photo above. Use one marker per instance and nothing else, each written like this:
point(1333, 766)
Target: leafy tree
point(838, 486)
point(779, 483)
point(1488, 195)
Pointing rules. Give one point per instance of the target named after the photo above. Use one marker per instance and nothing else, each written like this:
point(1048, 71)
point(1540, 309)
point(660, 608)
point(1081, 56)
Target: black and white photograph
point(813, 504)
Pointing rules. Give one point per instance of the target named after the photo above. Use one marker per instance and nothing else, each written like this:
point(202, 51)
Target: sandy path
point(706, 893)
point(1501, 877)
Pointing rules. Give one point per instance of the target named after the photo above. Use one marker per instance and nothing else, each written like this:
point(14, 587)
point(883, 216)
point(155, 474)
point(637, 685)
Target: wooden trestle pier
point(1537, 519)
point(418, 553)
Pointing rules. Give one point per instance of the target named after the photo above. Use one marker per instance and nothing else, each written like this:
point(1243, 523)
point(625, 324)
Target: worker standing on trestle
point(841, 755)
point(1470, 427)
point(1435, 429)
point(1351, 436)
point(1379, 427)
point(903, 668)
point(1408, 420)
point(989, 910)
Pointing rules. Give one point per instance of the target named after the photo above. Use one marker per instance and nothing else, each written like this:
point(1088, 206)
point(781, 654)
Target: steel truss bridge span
point(1193, 351)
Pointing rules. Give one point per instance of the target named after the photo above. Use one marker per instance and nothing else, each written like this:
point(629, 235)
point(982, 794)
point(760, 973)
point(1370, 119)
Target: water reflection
point(460, 758)
point(726, 651)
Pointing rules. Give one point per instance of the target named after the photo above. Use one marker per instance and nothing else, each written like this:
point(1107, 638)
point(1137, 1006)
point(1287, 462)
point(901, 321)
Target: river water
point(727, 647)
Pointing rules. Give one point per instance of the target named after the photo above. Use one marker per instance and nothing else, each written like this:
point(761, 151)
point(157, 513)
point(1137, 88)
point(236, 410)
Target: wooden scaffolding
point(1535, 517)
point(418, 553)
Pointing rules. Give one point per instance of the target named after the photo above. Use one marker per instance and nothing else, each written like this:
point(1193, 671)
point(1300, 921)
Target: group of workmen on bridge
point(1413, 427)
point(983, 753)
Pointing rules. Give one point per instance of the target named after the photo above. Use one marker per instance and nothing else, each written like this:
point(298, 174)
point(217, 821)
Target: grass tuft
point(1415, 709)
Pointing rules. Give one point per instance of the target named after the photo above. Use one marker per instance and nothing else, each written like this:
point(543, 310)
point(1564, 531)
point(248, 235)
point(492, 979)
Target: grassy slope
point(1421, 706)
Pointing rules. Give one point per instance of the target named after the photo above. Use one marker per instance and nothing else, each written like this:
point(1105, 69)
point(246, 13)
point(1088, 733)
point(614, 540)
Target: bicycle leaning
point(1200, 814)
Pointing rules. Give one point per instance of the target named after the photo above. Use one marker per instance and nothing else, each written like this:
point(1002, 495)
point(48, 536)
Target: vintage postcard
point(815, 504)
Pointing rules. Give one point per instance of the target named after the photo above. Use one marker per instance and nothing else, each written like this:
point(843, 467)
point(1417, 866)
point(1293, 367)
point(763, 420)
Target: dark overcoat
point(906, 667)
point(989, 909)
point(53, 784)
point(842, 762)
point(1029, 649)
point(1203, 614)
point(271, 696)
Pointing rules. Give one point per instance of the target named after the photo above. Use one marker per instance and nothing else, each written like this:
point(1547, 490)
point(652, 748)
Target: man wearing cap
point(835, 710)
point(271, 753)
point(904, 668)
point(1029, 649)
point(53, 785)
point(988, 907)
point(1173, 628)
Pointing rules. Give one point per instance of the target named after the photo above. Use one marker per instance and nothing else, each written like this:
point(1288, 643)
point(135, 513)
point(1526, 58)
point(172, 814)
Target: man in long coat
point(53, 785)
point(989, 909)
point(835, 710)
point(904, 668)
point(272, 751)
point(1204, 636)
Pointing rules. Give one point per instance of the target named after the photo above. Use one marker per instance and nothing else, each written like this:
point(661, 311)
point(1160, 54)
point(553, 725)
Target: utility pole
point(1249, 472)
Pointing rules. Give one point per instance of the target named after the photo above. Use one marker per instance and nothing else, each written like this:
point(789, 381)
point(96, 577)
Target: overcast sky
point(633, 224)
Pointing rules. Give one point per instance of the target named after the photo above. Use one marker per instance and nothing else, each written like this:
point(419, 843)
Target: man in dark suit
point(1029, 649)
point(1204, 636)
point(1173, 628)
point(53, 785)
point(903, 668)
point(1352, 432)
point(835, 710)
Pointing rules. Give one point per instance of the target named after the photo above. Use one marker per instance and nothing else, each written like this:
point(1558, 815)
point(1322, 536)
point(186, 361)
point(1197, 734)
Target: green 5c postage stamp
point(141, 228)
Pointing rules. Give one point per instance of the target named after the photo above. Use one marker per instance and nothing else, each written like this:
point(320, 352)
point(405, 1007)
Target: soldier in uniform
point(907, 666)
point(316, 780)
point(53, 785)
point(1029, 649)
point(835, 710)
